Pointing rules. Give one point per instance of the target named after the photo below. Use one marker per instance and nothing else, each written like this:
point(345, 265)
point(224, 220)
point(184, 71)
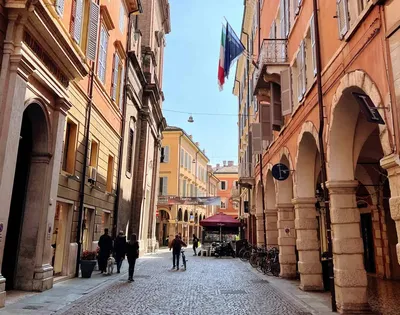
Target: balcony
point(271, 61)
point(246, 175)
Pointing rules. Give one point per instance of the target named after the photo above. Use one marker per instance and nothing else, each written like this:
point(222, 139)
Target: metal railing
point(273, 51)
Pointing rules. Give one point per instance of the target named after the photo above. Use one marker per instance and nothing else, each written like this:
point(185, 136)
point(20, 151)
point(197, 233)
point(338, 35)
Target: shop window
point(70, 147)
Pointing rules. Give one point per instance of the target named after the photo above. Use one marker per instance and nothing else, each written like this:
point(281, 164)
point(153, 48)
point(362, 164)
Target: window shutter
point(182, 156)
point(78, 21)
point(314, 55)
point(114, 85)
point(266, 128)
point(184, 188)
point(72, 21)
point(303, 65)
point(94, 15)
point(343, 17)
point(299, 75)
point(166, 154)
point(286, 92)
point(276, 108)
point(121, 89)
point(287, 18)
point(121, 17)
point(282, 19)
point(165, 186)
point(296, 6)
point(60, 7)
point(256, 138)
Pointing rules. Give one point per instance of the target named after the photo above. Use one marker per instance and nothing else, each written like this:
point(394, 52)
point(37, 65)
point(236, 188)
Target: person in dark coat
point(176, 246)
point(195, 244)
point(132, 253)
point(119, 249)
point(105, 244)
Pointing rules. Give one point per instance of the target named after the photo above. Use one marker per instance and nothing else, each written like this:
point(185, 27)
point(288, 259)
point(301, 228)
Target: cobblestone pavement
point(209, 286)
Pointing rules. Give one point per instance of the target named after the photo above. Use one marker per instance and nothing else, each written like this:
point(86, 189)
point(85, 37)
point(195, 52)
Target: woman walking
point(195, 244)
point(119, 249)
point(132, 253)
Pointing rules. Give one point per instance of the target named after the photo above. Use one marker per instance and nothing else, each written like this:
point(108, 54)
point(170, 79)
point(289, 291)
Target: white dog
point(110, 265)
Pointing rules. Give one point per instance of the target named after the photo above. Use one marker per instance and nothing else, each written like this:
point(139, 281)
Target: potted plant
point(88, 262)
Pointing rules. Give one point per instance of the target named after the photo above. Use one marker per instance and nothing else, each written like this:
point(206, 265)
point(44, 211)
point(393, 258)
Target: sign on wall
point(175, 200)
point(368, 108)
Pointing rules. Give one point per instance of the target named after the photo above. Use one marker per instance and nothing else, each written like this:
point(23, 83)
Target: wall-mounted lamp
point(191, 120)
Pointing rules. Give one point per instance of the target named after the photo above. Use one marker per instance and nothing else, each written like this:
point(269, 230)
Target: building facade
point(227, 175)
point(144, 123)
point(183, 173)
point(212, 190)
point(330, 115)
point(60, 130)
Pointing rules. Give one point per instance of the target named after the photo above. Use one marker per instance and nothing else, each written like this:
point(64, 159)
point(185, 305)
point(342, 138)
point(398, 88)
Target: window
point(164, 157)
point(102, 60)
point(235, 184)
point(342, 12)
point(223, 204)
point(69, 147)
point(94, 151)
point(296, 6)
point(116, 80)
point(130, 151)
point(312, 42)
point(122, 17)
point(60, 7)
point(301, 71)
point(110, 173)
point(163, 186)
point(284, 18)
point(75, 26)
point(93, 29)
point(182, 157)
point(184, 188)
point(223, 185)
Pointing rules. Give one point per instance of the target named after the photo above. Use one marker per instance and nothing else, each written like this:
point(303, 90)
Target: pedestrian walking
point(119, 249)
point(195, 244)
point(105, 244)
point(176, 246)
point(132, 253)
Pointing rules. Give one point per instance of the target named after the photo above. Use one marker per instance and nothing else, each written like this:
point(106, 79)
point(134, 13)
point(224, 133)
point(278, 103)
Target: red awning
point(220, 219)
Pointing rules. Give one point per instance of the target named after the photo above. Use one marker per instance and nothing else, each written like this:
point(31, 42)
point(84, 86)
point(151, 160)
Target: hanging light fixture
point(190, 119)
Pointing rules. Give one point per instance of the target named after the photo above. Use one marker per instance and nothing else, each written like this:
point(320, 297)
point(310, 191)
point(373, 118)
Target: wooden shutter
point(282, 18)
point(78, 21)
point(72, 20)
point(256, 138)
point(342, 16)
point(287, 18)
point(60, 7)
point(286, 92)
point(266, 126)
point(166, 154)
point(165, 186)
point(93, 29)
point(276, 107)
point(121, 89)
point(313, 51)
point(182, 156)
point(304, 69)
point(121, 17)
point(296, 6)
point(115, 77)
point(299, 75)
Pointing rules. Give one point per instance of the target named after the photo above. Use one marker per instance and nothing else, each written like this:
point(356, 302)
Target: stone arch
point(343, 122)
point(167, 211)
point(347, 133)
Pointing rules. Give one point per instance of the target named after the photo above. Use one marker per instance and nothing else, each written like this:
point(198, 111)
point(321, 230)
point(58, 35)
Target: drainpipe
point(322, 154)
point(85, 157)
point(121, 143)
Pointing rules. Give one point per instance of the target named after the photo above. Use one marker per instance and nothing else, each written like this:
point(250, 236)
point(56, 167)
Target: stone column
point(260, 229)
point(286, 240)
point(271, 223)
point(348, 260)
point(392, 164)
point(307, 243)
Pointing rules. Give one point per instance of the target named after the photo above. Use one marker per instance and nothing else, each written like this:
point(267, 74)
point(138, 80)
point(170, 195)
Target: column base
point(350, 308)
point(311, 282)
point(43, 278)
point(2, 291)
point(288, 271)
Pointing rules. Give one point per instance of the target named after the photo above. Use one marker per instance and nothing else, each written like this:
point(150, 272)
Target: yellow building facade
point(183, 173)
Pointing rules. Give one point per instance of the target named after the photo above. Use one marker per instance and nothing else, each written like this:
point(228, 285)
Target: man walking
point(195, 244)
point(105, 244)
point(176, 246)
point(119, 249)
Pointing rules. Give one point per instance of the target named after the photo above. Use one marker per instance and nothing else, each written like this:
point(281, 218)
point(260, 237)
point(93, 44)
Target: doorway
point(367, 236)
point(17, 207)
point(60, 239)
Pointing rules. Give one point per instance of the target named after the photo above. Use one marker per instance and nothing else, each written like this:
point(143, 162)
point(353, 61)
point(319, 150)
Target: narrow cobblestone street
point(209, 286)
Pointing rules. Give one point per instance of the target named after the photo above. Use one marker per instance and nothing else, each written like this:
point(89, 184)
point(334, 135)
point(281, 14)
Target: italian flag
point(221, 69)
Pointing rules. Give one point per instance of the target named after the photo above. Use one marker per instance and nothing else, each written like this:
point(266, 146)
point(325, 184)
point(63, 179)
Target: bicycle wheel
point(268, 267)
point(276, 269)
point(241, 252)
point(246, 256)
point(260, 266)
point(254, 261)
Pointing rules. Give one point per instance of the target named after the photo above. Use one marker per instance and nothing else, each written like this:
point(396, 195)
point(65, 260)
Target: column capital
point(41, 157)
point(284, 206)
point(63, 105)
point(342, 187)
point(391, 161)
point(304, 201)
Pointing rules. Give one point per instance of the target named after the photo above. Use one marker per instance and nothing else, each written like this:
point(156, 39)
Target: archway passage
point(271, 212)
point(307, 241)
point(355, 149)
point(258, 234)
point(163, 227)
point(23, 226)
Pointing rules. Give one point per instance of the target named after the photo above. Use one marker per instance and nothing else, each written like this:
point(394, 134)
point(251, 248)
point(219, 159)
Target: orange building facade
point(227, 174)
point(311, 97)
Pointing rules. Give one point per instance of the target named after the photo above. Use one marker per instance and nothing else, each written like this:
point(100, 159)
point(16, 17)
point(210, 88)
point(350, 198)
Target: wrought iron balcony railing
point(246, 170)
point(273, 52)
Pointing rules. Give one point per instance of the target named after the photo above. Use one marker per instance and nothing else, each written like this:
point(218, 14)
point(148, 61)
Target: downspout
point(85, 157)
point(121, 144)
point(322, 155)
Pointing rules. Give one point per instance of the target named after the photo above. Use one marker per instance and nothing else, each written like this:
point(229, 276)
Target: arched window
point(180, 214)
point(186, 217)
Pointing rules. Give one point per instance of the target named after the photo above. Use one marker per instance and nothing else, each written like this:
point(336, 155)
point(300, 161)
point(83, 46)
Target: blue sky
point(190, 75)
